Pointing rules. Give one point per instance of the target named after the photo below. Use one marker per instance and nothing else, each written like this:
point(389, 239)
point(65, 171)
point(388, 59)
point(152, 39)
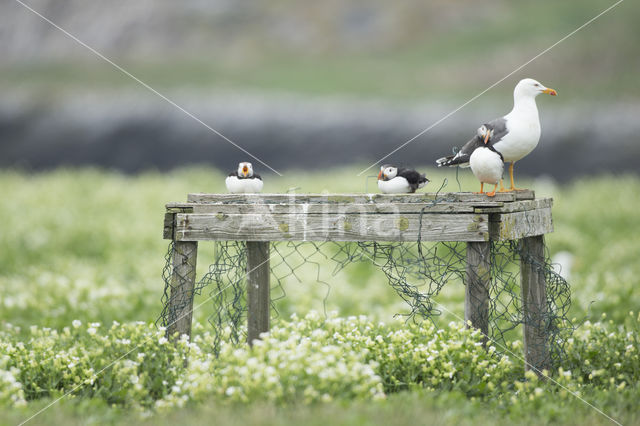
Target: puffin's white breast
point(243, 186)
point(486, 165)
point(397, 185)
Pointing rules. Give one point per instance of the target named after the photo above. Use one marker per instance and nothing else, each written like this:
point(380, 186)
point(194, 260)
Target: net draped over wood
point(417, 271)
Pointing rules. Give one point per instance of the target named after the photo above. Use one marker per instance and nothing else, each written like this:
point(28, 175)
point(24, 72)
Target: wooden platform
point(459, 216)
point(260, 219)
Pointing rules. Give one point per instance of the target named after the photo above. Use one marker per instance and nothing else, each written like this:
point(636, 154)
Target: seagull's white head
point(245, 169)
point(531, 88)
point(387, 172)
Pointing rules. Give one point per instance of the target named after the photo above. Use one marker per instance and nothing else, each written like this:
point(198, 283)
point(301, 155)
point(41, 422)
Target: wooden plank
point(167, 231)
point(513, 226)
point(323, 208)
point(525, 194)
point(183, 278)
point(258, 289)
point(476, 301)
point(317, 208)
point(347, 208)
point(331, 227)
point(353, 198)
point(517, 206)
point(534, 301)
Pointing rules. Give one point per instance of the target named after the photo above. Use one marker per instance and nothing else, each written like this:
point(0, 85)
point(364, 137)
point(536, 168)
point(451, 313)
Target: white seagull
point(244, 181)
point(515, 135)
point(394, 180)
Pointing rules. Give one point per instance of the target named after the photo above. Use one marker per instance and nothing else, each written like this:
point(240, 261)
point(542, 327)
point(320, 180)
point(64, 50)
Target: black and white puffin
point(516, 134)
point(243, 180)
point(486, 163)
point(394, 180)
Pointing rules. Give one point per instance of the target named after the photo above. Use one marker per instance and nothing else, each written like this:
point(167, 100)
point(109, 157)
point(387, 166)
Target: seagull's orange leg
point(492, 193)
point(513, 186)
point(481, 189)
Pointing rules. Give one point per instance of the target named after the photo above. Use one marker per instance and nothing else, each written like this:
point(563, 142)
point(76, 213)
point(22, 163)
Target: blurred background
point(319, 90)
point(311, 85)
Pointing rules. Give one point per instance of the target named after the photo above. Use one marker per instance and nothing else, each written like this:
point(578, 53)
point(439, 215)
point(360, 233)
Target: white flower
point(91, 331)
point(76, 323)
point(162, 340)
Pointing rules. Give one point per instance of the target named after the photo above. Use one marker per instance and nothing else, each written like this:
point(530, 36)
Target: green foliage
point(85, 246)
point(127, 364)
point(311, 359)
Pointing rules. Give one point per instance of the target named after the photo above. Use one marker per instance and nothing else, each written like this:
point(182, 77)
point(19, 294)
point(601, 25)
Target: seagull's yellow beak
point(245, 171)
point(550, 92)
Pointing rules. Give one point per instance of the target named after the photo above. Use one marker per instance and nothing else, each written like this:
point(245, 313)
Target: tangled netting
point(417, 271)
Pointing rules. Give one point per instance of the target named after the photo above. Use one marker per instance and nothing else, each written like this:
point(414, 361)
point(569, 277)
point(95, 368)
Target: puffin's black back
point(413, 177)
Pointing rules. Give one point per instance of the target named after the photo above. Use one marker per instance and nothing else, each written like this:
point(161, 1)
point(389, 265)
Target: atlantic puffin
point(244, 180)
point(394, 180)
point(487, 164)
point(515, 135)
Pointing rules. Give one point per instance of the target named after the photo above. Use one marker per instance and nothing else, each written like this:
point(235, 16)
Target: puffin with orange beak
point(394, 180)
point(243, 180)
point(486, 163)
point(515, 135)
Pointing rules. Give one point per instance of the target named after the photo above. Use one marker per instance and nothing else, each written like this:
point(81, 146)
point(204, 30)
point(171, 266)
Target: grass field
point(86, 245)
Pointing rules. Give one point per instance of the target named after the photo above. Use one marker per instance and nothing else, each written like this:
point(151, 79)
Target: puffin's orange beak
point(380, 175)
point(245, 170)
point(550, 92)
point(486, 138)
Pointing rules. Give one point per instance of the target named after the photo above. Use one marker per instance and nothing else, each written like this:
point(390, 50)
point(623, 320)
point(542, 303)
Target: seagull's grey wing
point(461, 158)
point(499, 127)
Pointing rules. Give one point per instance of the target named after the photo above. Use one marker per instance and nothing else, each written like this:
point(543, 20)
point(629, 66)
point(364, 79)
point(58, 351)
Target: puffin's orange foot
point(491, 194)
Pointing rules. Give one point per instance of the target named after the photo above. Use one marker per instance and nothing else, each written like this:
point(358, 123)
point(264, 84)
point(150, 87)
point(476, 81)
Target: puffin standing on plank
point(515, 135)
point(486, 163)
point(394, 180)
point(243, 180)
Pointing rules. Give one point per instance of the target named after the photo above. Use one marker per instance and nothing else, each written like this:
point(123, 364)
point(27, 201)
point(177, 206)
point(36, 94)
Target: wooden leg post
point(258, 290)
point(182, 283)
point(476, 303)
point(534, 304)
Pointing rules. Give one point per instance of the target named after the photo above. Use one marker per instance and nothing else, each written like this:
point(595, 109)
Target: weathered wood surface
point(343, 208)
point(358, 198)
point(519, 206)
point(169, 225)
point(476, 301)
point(258, 289)
point(353, 217)
point(534, 301)
point(331, 227)
point(513, 226)
point(182, 284)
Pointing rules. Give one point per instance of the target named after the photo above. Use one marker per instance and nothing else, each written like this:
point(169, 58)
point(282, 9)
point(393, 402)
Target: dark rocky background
point(310, 85)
